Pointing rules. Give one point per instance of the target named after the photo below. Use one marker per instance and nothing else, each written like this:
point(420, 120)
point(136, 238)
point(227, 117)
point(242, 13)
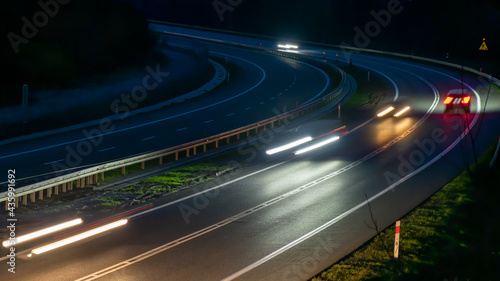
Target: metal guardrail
point(339, 47)
point(89, 175)
point(411, 57)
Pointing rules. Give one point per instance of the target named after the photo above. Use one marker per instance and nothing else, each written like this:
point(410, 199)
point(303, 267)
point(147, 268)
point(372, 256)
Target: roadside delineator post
point(494, 159)
point(396, 241)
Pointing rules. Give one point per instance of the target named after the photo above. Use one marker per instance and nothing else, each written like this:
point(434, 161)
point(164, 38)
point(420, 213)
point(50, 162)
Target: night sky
point(425, 27)
point(85, 37)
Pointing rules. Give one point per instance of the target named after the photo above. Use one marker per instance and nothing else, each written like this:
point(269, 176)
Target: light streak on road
point(45, 231)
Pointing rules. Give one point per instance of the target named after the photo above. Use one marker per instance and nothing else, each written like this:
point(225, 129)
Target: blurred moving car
point(457, 99)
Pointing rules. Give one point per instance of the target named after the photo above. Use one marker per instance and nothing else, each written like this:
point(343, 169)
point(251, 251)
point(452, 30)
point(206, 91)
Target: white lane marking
point(181, 129)
point(148, 138)
point(174, 243)
point(248, 108)
point(106, 149)
point(230, 114)
point(324, 89)
point(191, 236)
point(361, 125)
point(364, 203)
point(396, 90)
point(48, 163)
point(209, 121)
point(396, 94)
point(151, 122)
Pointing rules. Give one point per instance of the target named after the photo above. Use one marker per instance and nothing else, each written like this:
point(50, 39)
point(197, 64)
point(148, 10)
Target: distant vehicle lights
point(385, 111)
point(391, 108)
point(288, 46)
point(457, 99)
point(402, 111)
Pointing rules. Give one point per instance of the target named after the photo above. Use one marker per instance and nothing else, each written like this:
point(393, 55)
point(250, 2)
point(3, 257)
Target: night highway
point(283, 215)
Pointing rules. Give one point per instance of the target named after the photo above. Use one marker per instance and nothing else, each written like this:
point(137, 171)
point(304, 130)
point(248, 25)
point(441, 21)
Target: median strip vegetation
point(369, 95)
point(93, 201)
point(454, 235)
point(172, 181)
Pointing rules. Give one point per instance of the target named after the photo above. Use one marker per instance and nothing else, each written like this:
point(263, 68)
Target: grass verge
point(454, 235)
point(368, 96)
point(172, 181)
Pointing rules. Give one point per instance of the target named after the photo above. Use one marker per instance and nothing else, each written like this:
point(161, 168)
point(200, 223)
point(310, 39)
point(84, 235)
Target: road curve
point(262, 83)
point(289, 218)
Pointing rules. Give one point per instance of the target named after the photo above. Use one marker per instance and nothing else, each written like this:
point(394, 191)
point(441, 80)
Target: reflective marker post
point(494, 159)
point(396, 241)
point(25, 104)
point(25, 96)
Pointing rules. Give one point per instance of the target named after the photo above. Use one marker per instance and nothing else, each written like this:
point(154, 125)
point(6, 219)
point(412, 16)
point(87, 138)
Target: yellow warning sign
point(483, 47)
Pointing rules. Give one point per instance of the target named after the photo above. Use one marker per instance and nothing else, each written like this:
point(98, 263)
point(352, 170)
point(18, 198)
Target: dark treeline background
point(81, 40)
point(428, 28)
point(86, 37)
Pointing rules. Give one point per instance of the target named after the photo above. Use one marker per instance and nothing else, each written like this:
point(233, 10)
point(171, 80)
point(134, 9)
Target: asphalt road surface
point(288, 218)
point(262, 85)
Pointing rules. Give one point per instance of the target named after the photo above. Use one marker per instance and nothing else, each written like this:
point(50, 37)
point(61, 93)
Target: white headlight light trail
point(314, 146)
point(41, 232)
point(77, 237)
point(288, 146)
point(402, 111)
point(387, 110)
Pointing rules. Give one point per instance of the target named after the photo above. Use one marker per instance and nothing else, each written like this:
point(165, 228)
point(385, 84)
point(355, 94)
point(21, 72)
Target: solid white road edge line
point(245, 213)
point(364, 203)
point(151, 122)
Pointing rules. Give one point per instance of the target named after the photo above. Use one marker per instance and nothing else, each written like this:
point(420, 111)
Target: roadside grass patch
point(173, 181)
point(108, 201)
point(368, 95)
point(453, 235)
